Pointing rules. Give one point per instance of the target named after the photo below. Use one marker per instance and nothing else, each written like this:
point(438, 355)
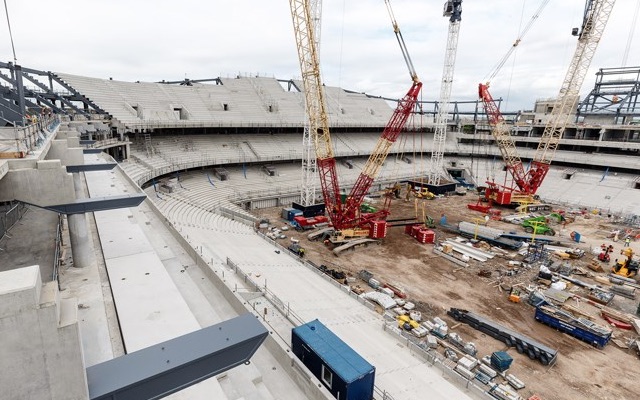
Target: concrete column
point(78, 232)
point(127, 151)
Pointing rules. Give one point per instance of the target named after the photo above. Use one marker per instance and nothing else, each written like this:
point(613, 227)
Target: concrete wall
point(40, 346)
point(47, 184)
point(4, 168)
point(67, 151)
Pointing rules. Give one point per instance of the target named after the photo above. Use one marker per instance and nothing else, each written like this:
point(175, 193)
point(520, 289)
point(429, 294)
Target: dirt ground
point(435, 284)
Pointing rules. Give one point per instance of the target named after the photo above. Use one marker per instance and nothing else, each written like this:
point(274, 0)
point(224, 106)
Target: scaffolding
point(614, 94)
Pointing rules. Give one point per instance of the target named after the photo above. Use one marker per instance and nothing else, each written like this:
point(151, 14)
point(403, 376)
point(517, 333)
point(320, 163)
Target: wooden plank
point(12, 154)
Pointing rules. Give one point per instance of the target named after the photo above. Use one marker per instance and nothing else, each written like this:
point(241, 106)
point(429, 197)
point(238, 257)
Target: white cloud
point(149, 41)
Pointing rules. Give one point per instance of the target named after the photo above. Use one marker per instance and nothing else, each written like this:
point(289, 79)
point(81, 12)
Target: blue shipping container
point(583, 333)
point(343, 372)
point(501, 360)
point(286, 212)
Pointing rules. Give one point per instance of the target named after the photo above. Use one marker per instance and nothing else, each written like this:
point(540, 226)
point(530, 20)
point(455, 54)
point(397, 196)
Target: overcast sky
point(161, 39)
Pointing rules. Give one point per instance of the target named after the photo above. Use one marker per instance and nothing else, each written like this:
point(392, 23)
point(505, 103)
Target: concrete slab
point(119, 240)
point(18, 280)
point(150, 307)
point(31, 242)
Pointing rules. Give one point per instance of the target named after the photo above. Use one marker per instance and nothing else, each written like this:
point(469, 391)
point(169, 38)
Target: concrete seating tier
point(183, 211)
point(591, 189)
point(202, 150)
point(135, 170)
point(191, 151)
point(236, 102)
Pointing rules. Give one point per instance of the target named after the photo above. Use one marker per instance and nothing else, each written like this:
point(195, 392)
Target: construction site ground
point(435, 284)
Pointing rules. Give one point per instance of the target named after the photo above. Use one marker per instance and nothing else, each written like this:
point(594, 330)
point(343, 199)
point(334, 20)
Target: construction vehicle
point(627, 267)
point(424, 217)
point(429, 222)
point(296, 249)
point(341, 236)
point(367, 208)
point(514, 295)
point(604, 254)
point(405, 322)
point(423, 193)
point(526, 183)
point(538, 226)
point(346, 214)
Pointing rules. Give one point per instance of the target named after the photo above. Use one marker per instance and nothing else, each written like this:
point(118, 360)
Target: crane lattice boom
point(504, 140)
point(309, 165)
point(499, 129)
point(595, 20)
point(453, 10)
point(345, 215)
point(303, 26)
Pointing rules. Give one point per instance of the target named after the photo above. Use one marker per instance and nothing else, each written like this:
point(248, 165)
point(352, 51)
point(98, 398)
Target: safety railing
point(57, 258)
point(105, 143)
point(9, 217)
point(30, 137)
point(432, 357)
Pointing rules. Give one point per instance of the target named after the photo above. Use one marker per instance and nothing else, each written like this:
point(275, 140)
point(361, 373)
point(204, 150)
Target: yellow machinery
point(423, 193)
point(405, 322)
point(340, 236)
point(514, 295)
point(628, 267)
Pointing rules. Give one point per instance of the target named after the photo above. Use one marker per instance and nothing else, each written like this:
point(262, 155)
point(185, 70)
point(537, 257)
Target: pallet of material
point(515, 383)
point(487, 370)
point(468, 362)
point(504, 392)
point(483, 378)
point(451, 258)
point(464, 372)
point(624, 291)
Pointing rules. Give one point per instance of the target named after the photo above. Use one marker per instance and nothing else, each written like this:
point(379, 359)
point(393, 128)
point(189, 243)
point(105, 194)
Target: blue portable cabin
point(343, 372)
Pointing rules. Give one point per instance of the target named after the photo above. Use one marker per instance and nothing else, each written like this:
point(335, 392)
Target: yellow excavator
point(419, 192)
point(628, 267)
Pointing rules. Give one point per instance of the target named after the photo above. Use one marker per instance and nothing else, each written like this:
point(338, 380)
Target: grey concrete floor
point(31, 241)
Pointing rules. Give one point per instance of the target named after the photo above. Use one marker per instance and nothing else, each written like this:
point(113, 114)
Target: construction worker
point(627, 241)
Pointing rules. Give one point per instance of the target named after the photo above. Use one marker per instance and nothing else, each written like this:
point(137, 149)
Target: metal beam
point(91, 151)
point(55, 95)
point(75, 93)
point(188, 82)
point(91, 167)
point(165, 368)
point(98, 204)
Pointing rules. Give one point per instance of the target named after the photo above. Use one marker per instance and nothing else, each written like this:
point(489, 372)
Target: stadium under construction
point(137, 259)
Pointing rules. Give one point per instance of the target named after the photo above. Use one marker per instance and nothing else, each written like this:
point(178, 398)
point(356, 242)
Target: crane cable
point(6, 10)
point(504, 59)
point(513, 61)
point(631, 32)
